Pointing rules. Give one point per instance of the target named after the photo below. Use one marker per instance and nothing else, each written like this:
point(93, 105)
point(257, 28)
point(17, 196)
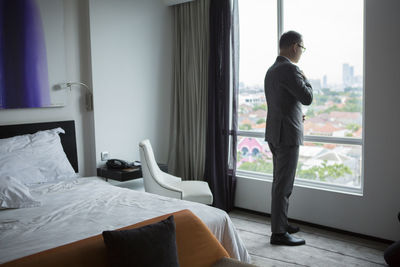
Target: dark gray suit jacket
point(285, 89)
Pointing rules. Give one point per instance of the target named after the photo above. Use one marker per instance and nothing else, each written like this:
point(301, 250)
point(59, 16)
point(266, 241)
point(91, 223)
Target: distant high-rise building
point(348, 75)
point(324, 81)
point(316, 84)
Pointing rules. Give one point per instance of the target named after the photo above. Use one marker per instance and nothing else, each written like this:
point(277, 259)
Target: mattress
point(79, 208)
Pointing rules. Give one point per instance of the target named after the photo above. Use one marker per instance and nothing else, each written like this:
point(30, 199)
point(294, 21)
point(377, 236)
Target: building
point(347, 75)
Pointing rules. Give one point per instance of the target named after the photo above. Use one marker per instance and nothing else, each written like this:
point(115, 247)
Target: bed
point(74, 208)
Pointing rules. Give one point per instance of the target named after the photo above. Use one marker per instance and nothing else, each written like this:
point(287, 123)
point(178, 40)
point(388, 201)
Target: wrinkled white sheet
point(79, 208)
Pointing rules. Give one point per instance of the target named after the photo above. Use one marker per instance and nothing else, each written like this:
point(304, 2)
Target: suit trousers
point(285, 163)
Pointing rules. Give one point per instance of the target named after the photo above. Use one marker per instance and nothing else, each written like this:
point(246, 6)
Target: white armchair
point(164, 184)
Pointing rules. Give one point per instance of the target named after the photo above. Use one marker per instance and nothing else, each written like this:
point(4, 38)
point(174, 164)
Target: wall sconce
point(89, 94)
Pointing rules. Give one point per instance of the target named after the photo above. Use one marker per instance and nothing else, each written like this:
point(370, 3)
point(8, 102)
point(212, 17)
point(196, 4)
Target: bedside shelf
point(124, 174)
point(119, 175)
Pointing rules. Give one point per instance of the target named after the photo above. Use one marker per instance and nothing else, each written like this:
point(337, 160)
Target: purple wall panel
point(23, 61)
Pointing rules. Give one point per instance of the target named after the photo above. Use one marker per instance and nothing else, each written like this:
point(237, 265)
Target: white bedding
point(75, 209)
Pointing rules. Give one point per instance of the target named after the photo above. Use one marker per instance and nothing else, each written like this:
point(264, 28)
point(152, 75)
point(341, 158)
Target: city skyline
point(349, 79)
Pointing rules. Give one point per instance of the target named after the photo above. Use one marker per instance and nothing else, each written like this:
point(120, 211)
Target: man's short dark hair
point(289, 38)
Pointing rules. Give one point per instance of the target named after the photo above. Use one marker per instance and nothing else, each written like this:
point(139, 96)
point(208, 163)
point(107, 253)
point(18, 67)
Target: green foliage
point(353, 127)
point(260, 121)
point(310, 113)
point(325, 171)
point(314, 173)
point(353, 99)
point(336, 100)
point(239, 156)
point(307, 174)
point(355, 94)
point(262, 107)
point(330, 109)
point(326, 91)
point(259, 165)
point(352, 105)
point(245, 127)
point(351, 108)
point(353, 90)
point(320, 100)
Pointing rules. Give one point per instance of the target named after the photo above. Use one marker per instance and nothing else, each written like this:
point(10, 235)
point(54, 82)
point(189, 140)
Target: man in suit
point(286, 89)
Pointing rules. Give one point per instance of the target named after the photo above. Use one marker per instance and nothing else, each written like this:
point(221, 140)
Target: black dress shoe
point(291, 229)
point(286, 239)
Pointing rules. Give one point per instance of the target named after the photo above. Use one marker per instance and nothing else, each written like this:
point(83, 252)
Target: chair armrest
point(167, 188)
point(168, 178)
point(167, 192)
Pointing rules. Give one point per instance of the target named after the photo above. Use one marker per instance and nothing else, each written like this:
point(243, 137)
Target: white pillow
point(20, 165)
point(50, 157)
point(41, 160)
point(13, 194)
point(14, 143)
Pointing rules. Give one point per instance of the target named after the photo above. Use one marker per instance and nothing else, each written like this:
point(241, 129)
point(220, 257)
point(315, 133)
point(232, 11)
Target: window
point(333, 35)
point(257, 52)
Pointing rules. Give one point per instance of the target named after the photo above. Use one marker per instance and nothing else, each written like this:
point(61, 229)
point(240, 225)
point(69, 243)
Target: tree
point(239, 156)
point(329, 110)
point(259, 165)
point(352, 105)
point(336, 100)
point(245, 127)
point(262, 107)
point(260, 121)
point(323, 172)
point(326, 91)
point(310, 113)
point(320, 99)
point(353, 127)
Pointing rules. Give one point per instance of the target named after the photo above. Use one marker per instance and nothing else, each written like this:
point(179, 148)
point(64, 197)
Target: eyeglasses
point(303, 49)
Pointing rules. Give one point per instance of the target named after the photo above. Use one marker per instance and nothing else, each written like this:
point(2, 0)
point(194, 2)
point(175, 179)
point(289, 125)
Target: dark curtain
point(235, 95)
point(216, 171)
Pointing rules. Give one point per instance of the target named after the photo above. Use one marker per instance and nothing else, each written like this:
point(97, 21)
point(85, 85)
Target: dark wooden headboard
point(68, 140)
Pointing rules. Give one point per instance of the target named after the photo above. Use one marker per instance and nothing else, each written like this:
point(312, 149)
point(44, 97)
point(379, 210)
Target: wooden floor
point(323, 247)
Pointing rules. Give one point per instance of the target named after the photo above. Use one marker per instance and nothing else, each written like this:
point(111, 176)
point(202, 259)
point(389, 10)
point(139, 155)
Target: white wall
point(53, 21)
point(374, 213)
point(131, 65)
point(75, 67)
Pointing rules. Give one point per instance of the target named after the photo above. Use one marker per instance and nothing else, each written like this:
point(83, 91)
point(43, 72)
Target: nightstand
point(125, 174)
point(119, 175)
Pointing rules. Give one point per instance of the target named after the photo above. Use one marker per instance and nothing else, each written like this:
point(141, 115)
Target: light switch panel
point(105, 156)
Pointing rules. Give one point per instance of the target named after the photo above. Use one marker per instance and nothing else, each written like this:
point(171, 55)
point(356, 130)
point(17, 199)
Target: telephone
point(118, 164)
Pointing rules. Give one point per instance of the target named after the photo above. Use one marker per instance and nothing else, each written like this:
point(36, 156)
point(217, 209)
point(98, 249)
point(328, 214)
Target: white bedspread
point(80, 208)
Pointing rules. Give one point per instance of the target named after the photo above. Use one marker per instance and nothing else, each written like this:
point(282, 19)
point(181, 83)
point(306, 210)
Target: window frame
point(312, 138)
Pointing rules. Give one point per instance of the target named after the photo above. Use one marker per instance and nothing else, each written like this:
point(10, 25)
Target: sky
point(332, 32)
